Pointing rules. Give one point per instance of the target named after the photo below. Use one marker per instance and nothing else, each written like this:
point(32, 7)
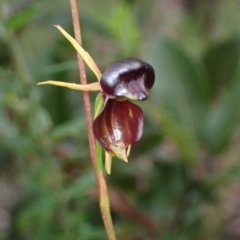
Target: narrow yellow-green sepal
point(86, 57)
point(108, 162)
point(91, 87)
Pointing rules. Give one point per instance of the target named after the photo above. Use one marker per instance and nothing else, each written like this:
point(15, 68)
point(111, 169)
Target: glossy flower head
point(130, 78)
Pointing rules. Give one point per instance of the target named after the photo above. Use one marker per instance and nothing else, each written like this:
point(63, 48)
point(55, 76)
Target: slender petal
point(86, 57)
point(91, 87)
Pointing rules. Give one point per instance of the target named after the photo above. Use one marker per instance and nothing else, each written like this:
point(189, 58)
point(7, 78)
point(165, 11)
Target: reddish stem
point(83, 80)
point(100, 180)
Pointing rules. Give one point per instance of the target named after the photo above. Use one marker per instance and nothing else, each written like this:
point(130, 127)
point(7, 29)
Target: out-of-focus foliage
point(182, 179)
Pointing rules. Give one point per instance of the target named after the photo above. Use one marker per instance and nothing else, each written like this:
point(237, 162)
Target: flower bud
point(130, 78)
point(119, 125)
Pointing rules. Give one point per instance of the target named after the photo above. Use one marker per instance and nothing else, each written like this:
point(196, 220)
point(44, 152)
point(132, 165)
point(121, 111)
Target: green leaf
point(221, 62)
point(69, 129)
point(177, 73)
point(58, 68)
point(39, 122)
point(79, 188)
point(224, 118)
point(186, 144)
point(181, 87)
point(20, 19)
point(123, 28)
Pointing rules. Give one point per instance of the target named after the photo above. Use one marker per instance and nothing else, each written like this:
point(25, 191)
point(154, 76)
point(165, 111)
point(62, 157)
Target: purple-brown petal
point(119, 125)
point(131, 78)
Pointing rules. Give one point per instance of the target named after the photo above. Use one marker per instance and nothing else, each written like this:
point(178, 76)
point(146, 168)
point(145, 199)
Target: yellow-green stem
point(105, 207)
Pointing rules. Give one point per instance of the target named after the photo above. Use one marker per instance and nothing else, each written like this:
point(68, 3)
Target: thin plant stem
point(99, 176)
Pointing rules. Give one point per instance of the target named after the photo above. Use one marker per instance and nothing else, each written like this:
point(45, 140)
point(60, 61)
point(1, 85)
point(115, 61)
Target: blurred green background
point(182, 179)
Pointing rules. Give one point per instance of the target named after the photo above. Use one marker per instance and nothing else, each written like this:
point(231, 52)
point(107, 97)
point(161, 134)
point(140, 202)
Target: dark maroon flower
point(130, 78)
point(119, 125)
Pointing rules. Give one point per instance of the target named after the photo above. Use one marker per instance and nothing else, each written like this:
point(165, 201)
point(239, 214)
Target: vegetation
point(182, 178)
